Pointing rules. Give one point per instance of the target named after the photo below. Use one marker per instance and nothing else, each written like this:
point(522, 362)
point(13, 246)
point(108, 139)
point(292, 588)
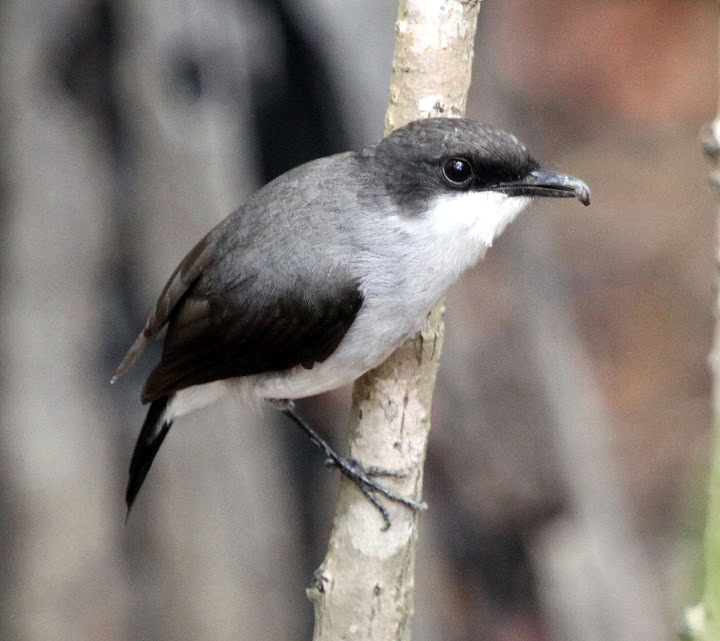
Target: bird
point(322, 273)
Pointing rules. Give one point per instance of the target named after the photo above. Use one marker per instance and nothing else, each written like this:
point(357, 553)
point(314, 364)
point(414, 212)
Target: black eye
point(457, 171)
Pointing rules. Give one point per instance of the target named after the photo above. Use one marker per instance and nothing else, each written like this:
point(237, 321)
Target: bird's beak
point(547, 183)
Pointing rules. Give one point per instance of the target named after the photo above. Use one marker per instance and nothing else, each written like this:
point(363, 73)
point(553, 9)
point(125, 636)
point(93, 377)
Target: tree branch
point(364, 587)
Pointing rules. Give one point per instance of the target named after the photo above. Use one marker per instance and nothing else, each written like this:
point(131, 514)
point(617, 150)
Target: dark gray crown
point(408, 163)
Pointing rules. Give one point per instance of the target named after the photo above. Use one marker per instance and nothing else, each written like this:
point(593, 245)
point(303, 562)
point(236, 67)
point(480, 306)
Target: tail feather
point(152, 435)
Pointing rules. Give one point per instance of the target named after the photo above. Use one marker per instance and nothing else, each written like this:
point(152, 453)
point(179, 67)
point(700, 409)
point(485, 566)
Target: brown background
point(571, 431)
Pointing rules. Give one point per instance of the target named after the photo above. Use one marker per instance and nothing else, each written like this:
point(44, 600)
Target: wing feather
point(241, 304)
point(227, 335)
point(186, 273)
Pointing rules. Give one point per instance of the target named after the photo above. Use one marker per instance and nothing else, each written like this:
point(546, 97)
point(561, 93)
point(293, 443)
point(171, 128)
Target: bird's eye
point(457, 171)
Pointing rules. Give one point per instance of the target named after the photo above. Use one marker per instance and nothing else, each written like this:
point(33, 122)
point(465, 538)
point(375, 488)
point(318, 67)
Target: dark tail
point(152, 435)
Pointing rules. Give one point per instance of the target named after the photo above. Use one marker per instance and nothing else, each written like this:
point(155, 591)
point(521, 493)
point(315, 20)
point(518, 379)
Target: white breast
point(404, 264)
point(407, 263)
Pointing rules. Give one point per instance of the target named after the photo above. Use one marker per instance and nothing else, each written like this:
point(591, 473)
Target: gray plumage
point(325, 270)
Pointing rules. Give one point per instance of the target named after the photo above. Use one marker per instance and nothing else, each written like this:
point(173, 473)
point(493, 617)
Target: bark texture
point(364, 587)
point(702, 622)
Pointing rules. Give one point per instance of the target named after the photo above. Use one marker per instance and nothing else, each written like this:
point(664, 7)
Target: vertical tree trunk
point(702, 622)
point(364, 587)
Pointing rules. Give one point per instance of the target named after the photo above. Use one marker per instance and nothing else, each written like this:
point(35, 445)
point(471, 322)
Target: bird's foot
point(363, 477)
point(371, 470)
point(352, 469)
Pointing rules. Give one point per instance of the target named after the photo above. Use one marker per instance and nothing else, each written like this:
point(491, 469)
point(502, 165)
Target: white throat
point(436, 246)
point(480, 216)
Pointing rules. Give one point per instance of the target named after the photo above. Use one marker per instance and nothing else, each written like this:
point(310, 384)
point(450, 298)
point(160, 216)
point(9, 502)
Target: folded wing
point(246, 330)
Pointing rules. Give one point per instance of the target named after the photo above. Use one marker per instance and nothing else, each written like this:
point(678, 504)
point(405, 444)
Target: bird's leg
point(373, 471)
point(350, 468)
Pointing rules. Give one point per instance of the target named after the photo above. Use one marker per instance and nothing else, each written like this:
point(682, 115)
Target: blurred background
point(567, 464)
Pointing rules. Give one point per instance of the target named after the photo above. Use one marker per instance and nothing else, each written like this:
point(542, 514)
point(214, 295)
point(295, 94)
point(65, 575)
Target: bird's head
point(461, 175)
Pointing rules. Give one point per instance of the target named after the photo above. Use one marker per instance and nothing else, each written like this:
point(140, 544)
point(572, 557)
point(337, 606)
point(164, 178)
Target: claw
point(373, 471)
point(380, 507)
point(353, 470)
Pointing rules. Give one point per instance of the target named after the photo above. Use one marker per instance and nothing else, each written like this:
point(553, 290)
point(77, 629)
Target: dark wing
point(151, 437)
point(186, 273)
point(249, 329)
point(215, 336)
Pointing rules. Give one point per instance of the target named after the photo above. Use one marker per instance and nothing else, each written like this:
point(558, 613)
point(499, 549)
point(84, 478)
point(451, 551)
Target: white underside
point(417, 259)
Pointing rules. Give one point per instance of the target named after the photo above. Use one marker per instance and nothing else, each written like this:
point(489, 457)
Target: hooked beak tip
point(558, 185)
point(583, 195)
point(549, 184)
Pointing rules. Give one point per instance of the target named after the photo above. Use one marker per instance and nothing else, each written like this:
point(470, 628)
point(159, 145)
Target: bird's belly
point(295, 383)
point(367, 344)
point(374, 335)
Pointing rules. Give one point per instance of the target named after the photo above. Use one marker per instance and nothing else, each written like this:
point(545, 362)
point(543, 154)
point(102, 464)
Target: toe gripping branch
point(362, 477)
